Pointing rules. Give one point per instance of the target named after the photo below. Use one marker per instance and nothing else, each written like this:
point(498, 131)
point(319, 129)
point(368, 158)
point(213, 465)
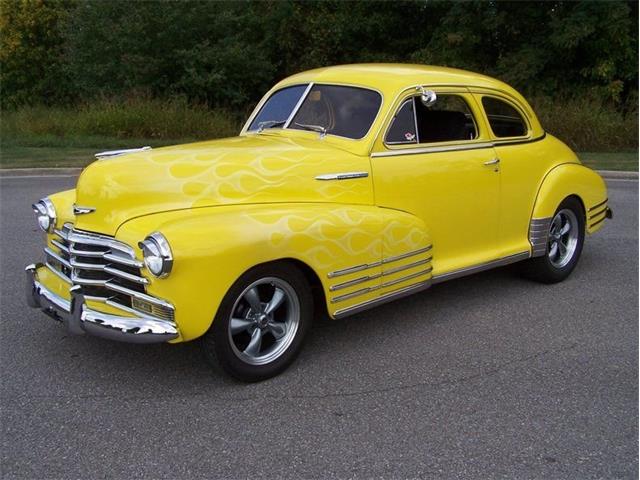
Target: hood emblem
point(79, 210)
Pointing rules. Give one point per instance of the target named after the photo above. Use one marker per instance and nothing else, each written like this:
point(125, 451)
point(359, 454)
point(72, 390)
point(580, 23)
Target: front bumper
point(80, 319)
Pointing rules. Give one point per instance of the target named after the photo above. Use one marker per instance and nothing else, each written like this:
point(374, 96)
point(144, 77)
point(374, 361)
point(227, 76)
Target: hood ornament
point(79, 210)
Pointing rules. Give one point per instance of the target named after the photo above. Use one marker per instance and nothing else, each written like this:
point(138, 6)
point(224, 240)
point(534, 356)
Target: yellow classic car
point(348, 187)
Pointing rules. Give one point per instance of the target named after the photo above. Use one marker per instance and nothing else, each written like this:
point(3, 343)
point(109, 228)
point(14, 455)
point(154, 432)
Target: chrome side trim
point(539, 235)
point(366, 266)
point(388, 297)
point(373, 288)
point(351, 283)
point(408, 277)
point(599, 205)
point(435, 149)
point(407, 255)
point(480, 268)
point(342, 176)
point(408, 266)
point(368, 278)
point(117, 153)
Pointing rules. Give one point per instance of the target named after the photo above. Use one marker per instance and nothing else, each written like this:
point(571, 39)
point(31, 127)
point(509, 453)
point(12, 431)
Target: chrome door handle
point(495, 161)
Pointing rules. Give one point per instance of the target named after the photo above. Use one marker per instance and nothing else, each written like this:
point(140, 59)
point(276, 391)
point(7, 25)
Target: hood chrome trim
point(117, 153)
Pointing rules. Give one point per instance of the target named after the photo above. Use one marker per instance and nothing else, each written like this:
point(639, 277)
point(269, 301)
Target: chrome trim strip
point(87, 266)
point(356, 281)
point(56, 257)
point(117, 153)
point(444, 148)
point(357, 293)
point(539, 235)
point(58, 273)
point(408, 266)
point(60, 246)
point(396, 294)
point(407, 255)
point(599, 205)
point(366, 266)
point(139, 295)
point(100, 241)
point(296, 107)
point(358, 268)
point(481, 267)
point(125, 275)
point(110, 257)
point(342, 176)
point(368, 278)
point(86, 253)
point(373, 288)
point(408, 277)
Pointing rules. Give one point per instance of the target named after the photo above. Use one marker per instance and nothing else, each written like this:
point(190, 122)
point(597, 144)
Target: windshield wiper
point(314, 128)
point(270, 124)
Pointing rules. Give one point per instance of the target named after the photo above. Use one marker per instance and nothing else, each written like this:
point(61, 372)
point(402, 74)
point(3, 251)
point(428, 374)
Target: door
point(437, 163)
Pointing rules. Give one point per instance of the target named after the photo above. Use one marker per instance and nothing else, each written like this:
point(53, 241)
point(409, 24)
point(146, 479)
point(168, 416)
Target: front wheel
point(261, 323)
point(564, 245)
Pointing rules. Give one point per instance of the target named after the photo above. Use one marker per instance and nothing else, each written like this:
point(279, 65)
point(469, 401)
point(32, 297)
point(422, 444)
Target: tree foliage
point(228, 53)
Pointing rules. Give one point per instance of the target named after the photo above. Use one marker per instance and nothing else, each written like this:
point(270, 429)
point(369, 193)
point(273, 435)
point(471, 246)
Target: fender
point(571, 179)
point(359, 253)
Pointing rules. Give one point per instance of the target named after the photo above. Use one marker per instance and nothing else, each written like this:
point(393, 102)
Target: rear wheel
point(261, 324)
point(564, 246)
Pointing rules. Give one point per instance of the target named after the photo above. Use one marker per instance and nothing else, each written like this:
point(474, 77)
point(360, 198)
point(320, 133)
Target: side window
point(448, 119)
point(403, 127)
point(505, 120)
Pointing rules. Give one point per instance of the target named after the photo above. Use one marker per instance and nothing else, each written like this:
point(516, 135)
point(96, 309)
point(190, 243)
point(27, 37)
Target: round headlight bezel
point(157, 255)
point(45, 212)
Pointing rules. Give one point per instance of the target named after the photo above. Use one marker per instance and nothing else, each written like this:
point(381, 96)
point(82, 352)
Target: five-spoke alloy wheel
point(565, 240)
point(261, 322)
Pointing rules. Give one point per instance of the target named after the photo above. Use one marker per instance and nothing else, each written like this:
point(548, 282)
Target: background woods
point(170, 70)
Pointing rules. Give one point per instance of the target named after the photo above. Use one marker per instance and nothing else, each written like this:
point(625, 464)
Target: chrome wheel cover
point(264, 321)
point(563, 238)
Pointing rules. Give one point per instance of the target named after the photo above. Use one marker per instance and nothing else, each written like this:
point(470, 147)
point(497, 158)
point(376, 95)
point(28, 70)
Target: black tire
point(222, 347)
point(542, 269)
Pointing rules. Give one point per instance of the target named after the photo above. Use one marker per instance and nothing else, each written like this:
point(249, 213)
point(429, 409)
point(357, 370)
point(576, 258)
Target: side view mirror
point(427, 97)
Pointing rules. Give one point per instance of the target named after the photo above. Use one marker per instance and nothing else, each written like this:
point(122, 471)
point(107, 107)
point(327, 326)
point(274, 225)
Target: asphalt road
point(490, 376)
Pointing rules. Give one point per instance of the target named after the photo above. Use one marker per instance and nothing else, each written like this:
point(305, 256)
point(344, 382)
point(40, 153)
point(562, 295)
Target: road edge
point(71, 172)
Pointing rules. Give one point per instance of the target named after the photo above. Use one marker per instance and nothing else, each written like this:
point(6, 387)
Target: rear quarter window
point(504, 119)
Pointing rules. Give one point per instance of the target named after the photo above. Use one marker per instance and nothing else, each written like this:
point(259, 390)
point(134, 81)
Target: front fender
point(566, 180)
point(212, 247)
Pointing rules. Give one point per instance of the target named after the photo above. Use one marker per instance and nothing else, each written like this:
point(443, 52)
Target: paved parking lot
point(489, 376)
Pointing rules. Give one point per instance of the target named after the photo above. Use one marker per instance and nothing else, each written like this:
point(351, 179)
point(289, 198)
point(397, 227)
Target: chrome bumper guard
point(80, 319)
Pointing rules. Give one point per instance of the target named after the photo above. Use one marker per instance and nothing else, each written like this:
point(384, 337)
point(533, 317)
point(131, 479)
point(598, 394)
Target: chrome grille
point(107, 270)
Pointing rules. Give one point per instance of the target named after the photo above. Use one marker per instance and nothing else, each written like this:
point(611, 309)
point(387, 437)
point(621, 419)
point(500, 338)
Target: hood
point(265, 168)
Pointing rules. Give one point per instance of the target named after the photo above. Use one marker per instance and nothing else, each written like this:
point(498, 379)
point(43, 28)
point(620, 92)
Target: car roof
point(396, 76)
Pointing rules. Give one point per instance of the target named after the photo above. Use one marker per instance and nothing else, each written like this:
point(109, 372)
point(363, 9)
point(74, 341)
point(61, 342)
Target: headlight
point(157, 254)
point(46, 213)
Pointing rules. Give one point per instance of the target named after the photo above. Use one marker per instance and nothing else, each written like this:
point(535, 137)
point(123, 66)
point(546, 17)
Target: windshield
point(331, 109)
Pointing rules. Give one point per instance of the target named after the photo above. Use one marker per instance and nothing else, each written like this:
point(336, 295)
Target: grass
point(69, 137)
